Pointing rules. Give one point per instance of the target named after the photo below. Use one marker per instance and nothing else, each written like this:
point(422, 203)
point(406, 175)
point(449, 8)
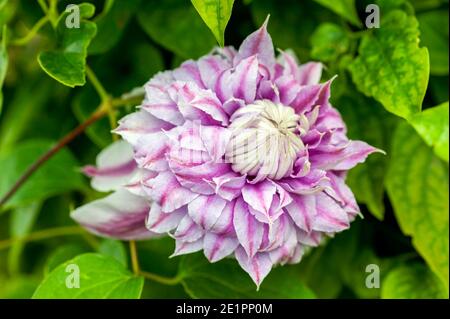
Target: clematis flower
point(240, 153)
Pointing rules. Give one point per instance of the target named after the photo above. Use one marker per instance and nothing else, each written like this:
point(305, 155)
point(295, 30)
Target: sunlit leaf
point(216, 14)
point(432, 125)
point(391, 66)
point(417, 184)
point(101, 277)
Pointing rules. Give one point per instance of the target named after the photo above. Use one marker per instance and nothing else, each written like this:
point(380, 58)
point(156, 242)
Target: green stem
point(34, 30)
point(134, 257)
point(148, 275)
point(43, 5)
point(104, 96)
point(160, 279)
point(43, 234)
point(52, 13)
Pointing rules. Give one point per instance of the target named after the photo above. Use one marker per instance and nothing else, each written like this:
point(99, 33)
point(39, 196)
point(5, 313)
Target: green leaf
point(61, 255)
point(111, 23)
point(216, 14)
point(184, 32)
point(391, 67)
point(21, 223)
point(328, 42)
point(115, 249)
point(344, 8)
point(417, 184)
point(434, 35)
point(3, 64)
point(57, 176)
point(100, 277)
point(367, 180)
point(225, 279)
point(412, 281)
point(432, 125)
point(67, 63)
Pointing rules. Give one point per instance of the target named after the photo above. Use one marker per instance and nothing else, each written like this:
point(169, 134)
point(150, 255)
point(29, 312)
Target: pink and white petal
point(183, 247)
point(244, 79)
point(160, 222)
point(210, 67)
point(115, 167)
point(342, 193)
point(302, 211)
point(285, 251)
point(288, 89)
point(306, 98)
point(206, 210)
point(120, 215)
point(215, 139)
point(311, 183)
point(217, 247)
point(134, 185)
point(259, 196)
point(249, 231)
point(312, 239)
point(229, 186)
point(135, 125)
point(204, 106)
point(224, 224)
point(258, 43)
point(257, 266)
point(310, 73)
point(189, 72)
point(158, 103)
point(150, 151)
point(232, 105)
point(188, 230)
point(167, 192)
point(330, 217)
point(344, 159)
point(240, 82)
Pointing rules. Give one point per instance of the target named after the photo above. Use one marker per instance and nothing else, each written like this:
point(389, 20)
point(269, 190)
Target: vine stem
point(148, 275)
point(30, 35)
point(101, 111)
point(43, 234)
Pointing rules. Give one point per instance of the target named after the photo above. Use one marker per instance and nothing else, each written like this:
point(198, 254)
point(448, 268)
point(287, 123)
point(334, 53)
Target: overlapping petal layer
point(181, 138)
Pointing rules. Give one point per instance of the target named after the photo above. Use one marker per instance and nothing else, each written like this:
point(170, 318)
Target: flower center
point(265, 140)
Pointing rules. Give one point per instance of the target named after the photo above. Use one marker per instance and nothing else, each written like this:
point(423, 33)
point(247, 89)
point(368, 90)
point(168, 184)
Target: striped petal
point(135, 125)
point(184, 247)
point(330, 217)
point(115, 167)
point(302, 210)
point(120, 215)
point(249, 231)
point(217, 247)
point(206, 210)
point(310, 73)
point(160, 222)
point(259, 44)
point(188, 230)
point(344, 159)
point(165, 190)
point(258, 266)
point(159, 104)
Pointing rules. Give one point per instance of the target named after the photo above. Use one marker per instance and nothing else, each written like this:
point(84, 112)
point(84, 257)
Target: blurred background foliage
point(389, 92)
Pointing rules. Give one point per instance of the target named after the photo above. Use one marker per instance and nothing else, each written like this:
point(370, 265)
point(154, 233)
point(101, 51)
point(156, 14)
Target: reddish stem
point(45, 157)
